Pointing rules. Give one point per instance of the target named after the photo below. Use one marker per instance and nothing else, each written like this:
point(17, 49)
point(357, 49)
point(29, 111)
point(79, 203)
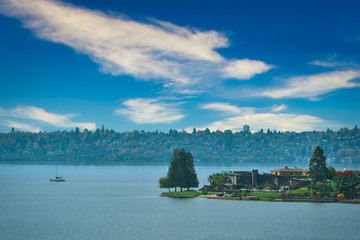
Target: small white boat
point(57, 178)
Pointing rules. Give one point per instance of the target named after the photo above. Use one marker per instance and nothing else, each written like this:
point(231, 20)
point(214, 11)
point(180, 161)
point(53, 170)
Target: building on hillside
point(290, 172)
point(256, 179)
point(246, 128)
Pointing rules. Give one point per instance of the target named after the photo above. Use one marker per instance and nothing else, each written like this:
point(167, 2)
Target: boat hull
point(57, 180)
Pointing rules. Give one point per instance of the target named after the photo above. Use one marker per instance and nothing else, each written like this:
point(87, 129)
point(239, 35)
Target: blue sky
point(160, 65)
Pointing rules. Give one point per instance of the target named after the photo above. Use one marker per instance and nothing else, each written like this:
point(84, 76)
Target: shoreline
point(254, 198)
point(316, 200)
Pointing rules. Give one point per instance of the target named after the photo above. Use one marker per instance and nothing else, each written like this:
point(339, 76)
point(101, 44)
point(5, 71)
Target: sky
point(161, 65)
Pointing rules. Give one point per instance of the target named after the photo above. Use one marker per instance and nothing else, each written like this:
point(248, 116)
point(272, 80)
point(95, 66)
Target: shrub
point(340, 195)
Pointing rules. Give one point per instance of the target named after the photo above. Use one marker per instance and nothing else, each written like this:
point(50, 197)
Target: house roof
point(290, 169)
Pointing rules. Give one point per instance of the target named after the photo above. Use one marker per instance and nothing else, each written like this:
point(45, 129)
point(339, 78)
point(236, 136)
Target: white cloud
point(336, 64)
point(39, 114)
point(140, 110)
point(279, 108)
point(258, 119)
point(226, 108)
point(190, 92)
point(279, 122)
point(157, 50)
point(245, 68)
point(21, 126)
point(314, 85)
point(327, 64)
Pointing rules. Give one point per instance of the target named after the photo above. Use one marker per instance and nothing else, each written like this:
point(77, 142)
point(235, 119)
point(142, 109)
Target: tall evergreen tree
point(191, 177)
point(172, 172)
point(180, 168)
point(182, 172)
point(317, 166)
point(228, 139)
point(194, 131)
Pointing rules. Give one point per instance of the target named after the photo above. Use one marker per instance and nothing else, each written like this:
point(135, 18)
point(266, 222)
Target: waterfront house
point(238, 178)
point(347, 173)
point(290, 172)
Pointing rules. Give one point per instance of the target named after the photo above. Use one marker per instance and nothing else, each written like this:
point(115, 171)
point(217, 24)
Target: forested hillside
point(139, 147)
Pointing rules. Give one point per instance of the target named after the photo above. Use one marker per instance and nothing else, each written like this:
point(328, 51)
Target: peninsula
point(319, 183)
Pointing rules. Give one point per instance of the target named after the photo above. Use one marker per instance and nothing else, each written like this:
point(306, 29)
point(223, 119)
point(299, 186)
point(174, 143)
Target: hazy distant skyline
point(157, 65)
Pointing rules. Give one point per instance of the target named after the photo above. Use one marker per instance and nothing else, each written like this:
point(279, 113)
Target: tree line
point(109, 146)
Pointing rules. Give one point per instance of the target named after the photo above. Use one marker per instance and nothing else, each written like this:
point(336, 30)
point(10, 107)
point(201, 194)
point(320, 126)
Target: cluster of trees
point(218, 180)
point(218, 147)
point(348, 185)
point(181, 172)
point(327, 182)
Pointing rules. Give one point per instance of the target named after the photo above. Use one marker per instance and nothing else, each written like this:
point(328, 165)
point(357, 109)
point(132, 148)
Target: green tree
point(164, 183)
point(331, 173)
point(191, 179)
point(228, 139)
point(207, 131)
point(218, 180)
point(174, 173)
point(77, 131)
point(182, 172)
point(317, 166)
point(194, 131)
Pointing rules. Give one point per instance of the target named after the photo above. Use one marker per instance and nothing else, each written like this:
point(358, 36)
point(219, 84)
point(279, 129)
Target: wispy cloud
point(258, 119)
point(279, 108)
point(21, 126)
point(245, 69)
point(155, 50)
point(227, 108)
point(141, 111)
point(327, 64)
point(279, 122)
point(314, 85)
point(335, 64)
point(39, 114)
point(329, 61)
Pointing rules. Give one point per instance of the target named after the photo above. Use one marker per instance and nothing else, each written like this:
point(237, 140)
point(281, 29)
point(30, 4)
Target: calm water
point(123, 202)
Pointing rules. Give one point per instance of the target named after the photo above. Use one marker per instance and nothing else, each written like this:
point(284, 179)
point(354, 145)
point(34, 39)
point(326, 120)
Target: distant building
point(255, 179)
point(347, 173)
point(290, 171)
point(246, 128)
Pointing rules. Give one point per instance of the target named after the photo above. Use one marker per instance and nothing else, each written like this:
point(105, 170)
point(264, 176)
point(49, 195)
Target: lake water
point(123, 202)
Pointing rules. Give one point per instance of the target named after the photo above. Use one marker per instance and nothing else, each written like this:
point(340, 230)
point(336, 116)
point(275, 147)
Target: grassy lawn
point(300, 191)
